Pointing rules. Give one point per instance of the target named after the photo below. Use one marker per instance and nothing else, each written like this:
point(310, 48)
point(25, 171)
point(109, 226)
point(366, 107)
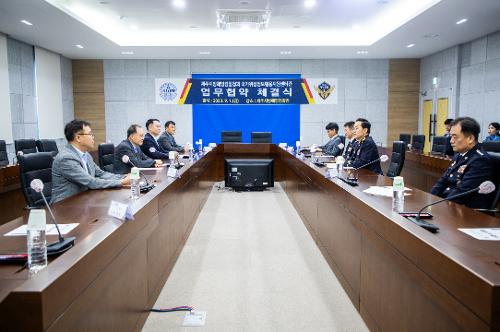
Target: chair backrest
point(262, 137)
point(495, 159)
point(493, 146)
point(47, 145)
point(4, 159)
point(405, 138)
point(106, 152)
point(418, 142)
point(397, 158)
point(439, 144)
point(25, 146)
point(36, 166)
point(230, 136)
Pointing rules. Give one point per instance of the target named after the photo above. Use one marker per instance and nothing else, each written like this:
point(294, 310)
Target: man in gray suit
point(334, 146)
point(167, 140)
point(74, 170)
point(132, 148)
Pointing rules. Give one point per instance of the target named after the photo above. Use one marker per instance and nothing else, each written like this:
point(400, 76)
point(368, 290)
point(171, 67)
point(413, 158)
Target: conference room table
point(399, 276)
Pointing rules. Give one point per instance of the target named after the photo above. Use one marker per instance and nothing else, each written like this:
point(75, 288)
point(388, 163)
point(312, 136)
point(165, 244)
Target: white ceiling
point(331, 29)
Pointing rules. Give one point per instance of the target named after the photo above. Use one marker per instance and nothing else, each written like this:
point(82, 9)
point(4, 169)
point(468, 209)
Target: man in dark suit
point(470, 166)
point(334, 146)
point(131, 148)
point(167, 140)
point(150, 146)
point(365, 150)
point(349, 135)
point(74, 170)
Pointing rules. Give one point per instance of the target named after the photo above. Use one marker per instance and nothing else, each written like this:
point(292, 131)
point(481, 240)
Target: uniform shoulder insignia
point(479, 151)
point(461, 169)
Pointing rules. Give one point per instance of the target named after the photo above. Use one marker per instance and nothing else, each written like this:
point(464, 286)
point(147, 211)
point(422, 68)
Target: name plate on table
point(120, 211)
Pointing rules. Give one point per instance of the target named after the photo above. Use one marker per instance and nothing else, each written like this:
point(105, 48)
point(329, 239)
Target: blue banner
point(245, 91)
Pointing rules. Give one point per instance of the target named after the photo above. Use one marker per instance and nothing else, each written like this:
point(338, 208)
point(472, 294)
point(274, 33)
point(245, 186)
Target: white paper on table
point(151, 168)
point(491, 234)
point(385, 191)
point(50, 229)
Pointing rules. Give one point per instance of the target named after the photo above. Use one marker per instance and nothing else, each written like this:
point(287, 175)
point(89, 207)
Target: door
point(441, 116)
point(426, 124)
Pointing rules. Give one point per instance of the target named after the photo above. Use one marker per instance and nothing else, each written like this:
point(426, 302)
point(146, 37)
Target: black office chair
point(439, 145)
point(397, 159)
point(262, 137)
point(405, 138)
point(36, 166)
point(4, 159)
point(25, 146)
point(47, 145)
point(418, 142)
point(230, 137)
point(106, 152)
point(493, 146)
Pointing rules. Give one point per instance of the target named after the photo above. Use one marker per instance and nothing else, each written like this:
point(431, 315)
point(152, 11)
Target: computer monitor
point(248, 174)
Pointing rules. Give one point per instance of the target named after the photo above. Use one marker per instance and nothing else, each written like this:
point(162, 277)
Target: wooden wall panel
point(404, 87)
point(88, 95)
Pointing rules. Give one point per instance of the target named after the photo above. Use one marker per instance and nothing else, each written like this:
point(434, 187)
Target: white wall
point(49, 94)
point(6, 122)
point(469, 76)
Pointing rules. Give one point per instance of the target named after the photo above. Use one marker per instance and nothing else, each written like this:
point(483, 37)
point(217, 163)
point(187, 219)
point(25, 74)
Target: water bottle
point(135, 190)
point(398, 194)
point(37, 244)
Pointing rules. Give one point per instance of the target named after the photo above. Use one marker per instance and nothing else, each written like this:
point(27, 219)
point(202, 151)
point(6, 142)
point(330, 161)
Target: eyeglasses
point(88, 134)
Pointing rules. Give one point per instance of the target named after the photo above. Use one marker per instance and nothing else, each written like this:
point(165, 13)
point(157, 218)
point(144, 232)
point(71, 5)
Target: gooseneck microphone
point(63, 243)
point(383, 158)
point(484, 188)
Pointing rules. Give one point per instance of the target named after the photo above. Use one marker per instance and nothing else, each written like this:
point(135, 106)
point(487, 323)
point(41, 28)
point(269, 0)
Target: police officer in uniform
point(364, 150)
point(150, 146)
point(470, 166)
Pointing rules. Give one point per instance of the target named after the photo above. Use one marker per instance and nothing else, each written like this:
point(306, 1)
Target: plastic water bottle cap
point(398, 183)
point(134, 173)
point(37, 219)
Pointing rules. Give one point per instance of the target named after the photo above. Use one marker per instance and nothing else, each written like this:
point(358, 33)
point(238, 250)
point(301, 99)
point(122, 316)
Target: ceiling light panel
point(328, 23)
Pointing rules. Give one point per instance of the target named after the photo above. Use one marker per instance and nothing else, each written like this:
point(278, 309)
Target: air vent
point(238, 19)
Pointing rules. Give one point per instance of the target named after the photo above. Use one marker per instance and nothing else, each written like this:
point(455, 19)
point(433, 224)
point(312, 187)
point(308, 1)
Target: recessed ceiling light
point(309, 3)
point(410, 45)
point(204, 52)
point(79, 46)
point(179, 3)
point(127, 52)
point(104, 2)
point(431, 35)
point(296, 26)
point(26, 22)
point(134, 27)
point(285, 52)
point(362, 52)
point(244, 3)
point(463, 20)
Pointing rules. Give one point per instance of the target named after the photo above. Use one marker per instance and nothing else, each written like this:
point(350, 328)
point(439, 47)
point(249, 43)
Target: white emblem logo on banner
point(168, 91)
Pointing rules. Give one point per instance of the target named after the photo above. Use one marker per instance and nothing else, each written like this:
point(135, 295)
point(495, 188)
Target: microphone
point(383, 158)
point(484, 188)
point(63, 243)
point(126, 160)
